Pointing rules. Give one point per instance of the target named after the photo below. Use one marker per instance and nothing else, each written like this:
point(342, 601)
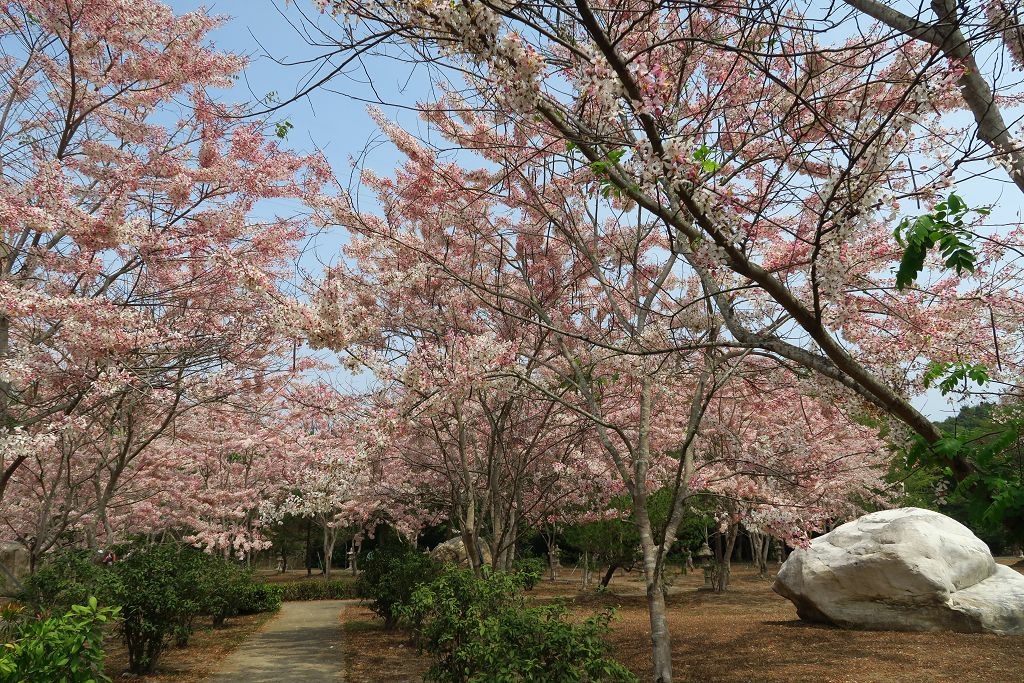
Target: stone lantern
point(704, 556)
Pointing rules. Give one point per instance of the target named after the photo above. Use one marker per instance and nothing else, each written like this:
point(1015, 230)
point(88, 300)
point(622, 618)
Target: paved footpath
point(301, 644)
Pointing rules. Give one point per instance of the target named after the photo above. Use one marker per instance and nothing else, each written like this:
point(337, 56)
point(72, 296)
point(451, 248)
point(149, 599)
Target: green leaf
point(943, 227)
point(281, 129)
point(706, 157)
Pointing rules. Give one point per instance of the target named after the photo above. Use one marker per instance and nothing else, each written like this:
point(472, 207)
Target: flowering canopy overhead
point(131, 269)
point(777, 147)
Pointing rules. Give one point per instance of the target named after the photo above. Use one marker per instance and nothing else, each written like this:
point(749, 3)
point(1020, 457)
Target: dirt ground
point(372, 654)
point(746, 634)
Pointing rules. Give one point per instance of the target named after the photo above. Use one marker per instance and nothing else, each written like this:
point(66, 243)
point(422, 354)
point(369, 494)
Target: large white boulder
point(904, 570)
point(453, 551)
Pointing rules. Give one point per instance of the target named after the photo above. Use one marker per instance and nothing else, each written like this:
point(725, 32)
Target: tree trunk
point(330, 536)
point(549, 540)
point(661, 641)
point(725, 563)
point(608, 575)
point(760, 545)
point(309, 565)
point(762, 559)
point(357, 545)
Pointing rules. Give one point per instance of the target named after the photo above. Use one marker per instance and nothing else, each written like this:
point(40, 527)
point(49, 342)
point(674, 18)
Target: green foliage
point(65, 648)
point(607, 541)
point(531, 570)
point(952, 374)
point(602, 170)
point(223, 585)
point(336, 589)
point(282, 128)
point(66, 579)
point(615, 540)
point(604, 166)
point(390, 576)
point(944, 227)
point(705, 156)
point(12, 614)
point(160, 595)
point(159, 589)
point(991, 497)
point(260, 597)
point(481, 630)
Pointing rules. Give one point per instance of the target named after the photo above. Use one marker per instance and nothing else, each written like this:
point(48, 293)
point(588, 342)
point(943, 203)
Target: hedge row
point(480, 629)
point(159, 590)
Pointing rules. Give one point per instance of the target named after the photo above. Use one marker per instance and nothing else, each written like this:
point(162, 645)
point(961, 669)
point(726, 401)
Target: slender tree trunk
point(760, 545)
point(661, 641)
point(330, 536)
point(725, 563)
point(357, 545)
point(552, 554)
point(762, 555)
point(470, 535)
point(309, 565)
point(606, 579)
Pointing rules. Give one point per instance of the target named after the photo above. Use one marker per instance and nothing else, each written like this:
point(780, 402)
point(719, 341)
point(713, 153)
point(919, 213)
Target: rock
point(904, 570)
point(14, 559)
point(453, 551)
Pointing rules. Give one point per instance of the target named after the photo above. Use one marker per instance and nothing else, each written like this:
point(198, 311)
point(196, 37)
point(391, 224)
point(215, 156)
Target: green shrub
point(223, 585)
point(480, 630)
point(66, 579)
point(160, 594)
point(161, 590)
point(531, 569)
point(260, 597)
point(12, 616)
point(318, 590)
point(389, 578)
point(65, 648)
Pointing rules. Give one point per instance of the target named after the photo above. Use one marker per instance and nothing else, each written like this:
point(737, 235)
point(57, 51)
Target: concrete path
point(301, 644)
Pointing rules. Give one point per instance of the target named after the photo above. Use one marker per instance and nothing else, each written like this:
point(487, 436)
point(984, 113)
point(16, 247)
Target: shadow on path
point(302, 644)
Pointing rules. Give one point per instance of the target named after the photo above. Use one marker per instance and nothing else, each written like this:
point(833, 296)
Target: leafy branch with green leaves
point(991, 497)
point(942, 228)
point(952, 374)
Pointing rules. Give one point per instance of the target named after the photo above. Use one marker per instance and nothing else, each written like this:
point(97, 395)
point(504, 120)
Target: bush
point(223, 585)
point(389, 578)
point(260, 597)
point(160, 594)
point(531, 569)
point(161, 590)
point(67, 579)
point(480, 630)
point(65, 648)
point(318, 590)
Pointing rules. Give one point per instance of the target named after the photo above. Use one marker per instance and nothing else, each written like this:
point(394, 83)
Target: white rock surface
point(453, 551)
point(904, 570)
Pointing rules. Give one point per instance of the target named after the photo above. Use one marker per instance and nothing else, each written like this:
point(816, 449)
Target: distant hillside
point(969, 419)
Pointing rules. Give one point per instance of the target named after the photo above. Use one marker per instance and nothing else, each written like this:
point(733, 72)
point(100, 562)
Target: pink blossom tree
point(629, 341)
point(135, 280)
point(776, 148)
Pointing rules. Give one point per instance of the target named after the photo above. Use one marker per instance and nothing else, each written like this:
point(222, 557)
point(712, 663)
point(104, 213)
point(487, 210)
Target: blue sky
point(267, 32)
point(260, 29)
